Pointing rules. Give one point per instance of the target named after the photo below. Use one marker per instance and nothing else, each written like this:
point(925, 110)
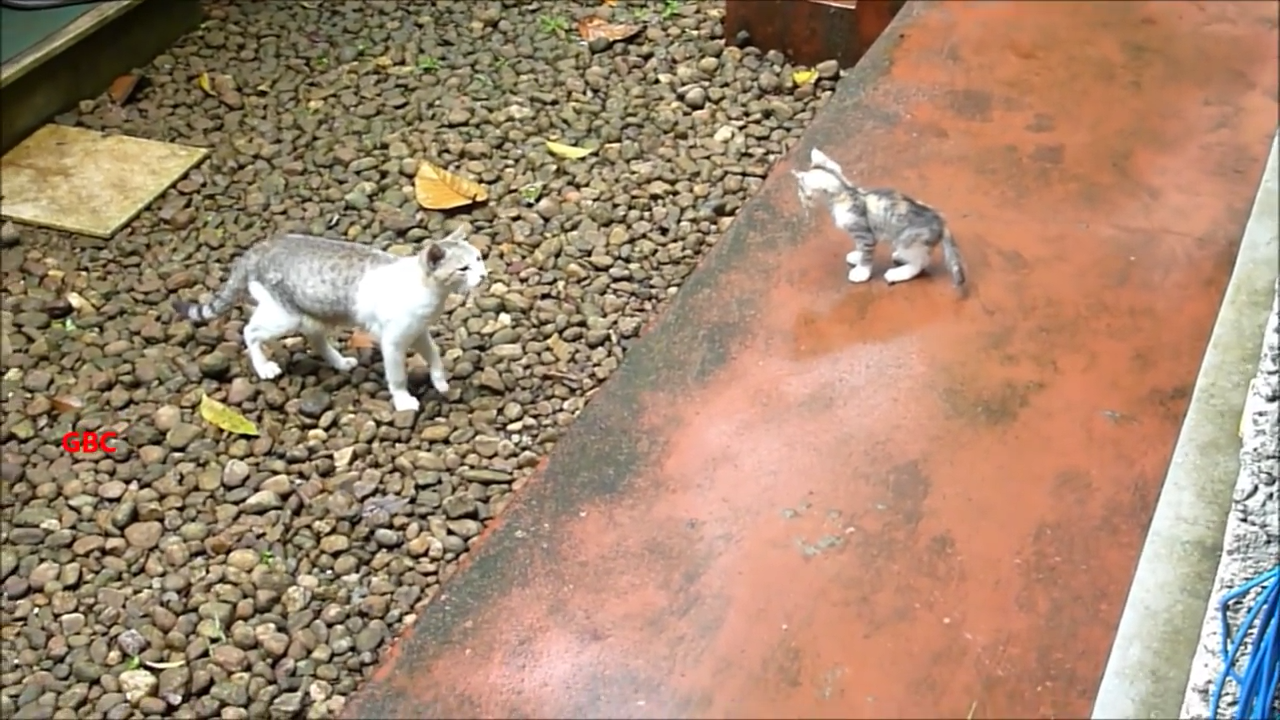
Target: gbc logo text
point(87, 442)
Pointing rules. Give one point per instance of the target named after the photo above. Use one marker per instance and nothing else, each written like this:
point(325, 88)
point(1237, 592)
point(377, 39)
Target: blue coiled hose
point(1259, 679)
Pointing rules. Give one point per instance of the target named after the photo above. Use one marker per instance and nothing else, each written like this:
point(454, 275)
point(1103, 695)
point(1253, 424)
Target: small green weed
point(553, 24)
point(531, 192)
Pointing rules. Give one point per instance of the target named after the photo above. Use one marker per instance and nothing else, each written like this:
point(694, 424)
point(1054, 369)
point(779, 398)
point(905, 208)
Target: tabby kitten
point(912, 228)
point(304, 284)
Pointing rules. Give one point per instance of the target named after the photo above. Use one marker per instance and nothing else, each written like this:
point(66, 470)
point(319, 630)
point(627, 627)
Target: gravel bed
point(193, 574)
point(1252, 541)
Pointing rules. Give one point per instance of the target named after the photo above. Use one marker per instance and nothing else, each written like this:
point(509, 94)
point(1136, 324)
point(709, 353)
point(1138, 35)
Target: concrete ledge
point(1150, 662)
point(83, 59)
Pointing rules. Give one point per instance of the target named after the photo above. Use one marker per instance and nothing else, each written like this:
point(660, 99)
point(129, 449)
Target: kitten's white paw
point(440, 383)
point(405, 402)
point(859, 274)
point(345, 363)
point(900, 274)
point(854, 257)
point(269, 370)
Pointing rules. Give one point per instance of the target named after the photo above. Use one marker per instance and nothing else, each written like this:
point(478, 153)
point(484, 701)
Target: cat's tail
point(222, 301)
point(951, 254)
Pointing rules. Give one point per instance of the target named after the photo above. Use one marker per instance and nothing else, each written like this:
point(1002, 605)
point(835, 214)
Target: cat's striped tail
point(951, 254)
point(222, 301)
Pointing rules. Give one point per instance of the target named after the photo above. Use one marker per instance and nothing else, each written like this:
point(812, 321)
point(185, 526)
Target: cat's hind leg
point(269, 321)
point(319, 341)
point(425, 346)
point(910, 256)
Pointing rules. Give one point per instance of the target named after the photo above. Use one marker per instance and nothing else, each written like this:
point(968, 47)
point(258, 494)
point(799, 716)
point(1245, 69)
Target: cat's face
point(813, 181)
point(822, 176)
point(454, 262)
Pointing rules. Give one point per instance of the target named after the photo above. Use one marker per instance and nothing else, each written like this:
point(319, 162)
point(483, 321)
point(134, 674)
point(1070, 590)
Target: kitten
point(910, 226)
point(304, 284)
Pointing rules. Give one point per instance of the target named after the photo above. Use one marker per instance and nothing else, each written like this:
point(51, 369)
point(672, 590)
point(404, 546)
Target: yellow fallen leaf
point(438, 189)
point(78, 302)
point(567, 151)
point(225, 418)
point(206, 84)
point(804, 77)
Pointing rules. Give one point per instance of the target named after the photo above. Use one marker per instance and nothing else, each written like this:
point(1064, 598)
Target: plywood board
point(86, 182)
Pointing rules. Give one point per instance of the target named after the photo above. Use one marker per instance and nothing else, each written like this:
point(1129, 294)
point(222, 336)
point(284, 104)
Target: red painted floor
point(804, 498)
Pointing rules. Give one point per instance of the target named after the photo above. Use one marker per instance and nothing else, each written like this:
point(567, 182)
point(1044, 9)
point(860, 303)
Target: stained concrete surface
point(800, 497)
point(1165, 612)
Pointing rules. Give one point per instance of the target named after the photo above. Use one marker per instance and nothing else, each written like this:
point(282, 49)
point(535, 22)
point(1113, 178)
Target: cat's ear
point(817, 158)
point(431, 256)
point(458, 235)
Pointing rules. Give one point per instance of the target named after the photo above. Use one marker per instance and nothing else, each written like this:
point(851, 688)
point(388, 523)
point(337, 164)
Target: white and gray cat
point(304, 284)
point(912, 228)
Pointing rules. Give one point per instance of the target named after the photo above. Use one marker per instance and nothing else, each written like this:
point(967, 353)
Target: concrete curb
point(1159, 631)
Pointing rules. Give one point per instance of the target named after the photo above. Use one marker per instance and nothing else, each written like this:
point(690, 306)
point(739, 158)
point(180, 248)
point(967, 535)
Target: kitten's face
point(823, 176)
point(454, 262)
point(813, 181)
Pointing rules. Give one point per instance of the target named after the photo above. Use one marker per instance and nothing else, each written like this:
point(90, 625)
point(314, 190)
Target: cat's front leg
point(394, 346)
point(861, 257)
point(425, 346)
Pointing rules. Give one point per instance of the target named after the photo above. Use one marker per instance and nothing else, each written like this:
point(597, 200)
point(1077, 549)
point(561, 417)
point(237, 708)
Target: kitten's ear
point(432, 256)
point(817, 158)
point(459, 234)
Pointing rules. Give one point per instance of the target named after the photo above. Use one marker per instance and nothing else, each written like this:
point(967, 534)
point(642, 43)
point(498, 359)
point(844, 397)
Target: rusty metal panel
point(810, 31)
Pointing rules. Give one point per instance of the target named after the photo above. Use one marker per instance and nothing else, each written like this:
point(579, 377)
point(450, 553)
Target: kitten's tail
point(226, 296)
point(951, 254)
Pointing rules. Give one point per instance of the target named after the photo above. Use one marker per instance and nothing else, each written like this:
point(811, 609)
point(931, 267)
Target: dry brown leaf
point(122, 89)
point(360, 339)
point(438, 189)
point(592, 27)
point(611, 3)
point(66, 403)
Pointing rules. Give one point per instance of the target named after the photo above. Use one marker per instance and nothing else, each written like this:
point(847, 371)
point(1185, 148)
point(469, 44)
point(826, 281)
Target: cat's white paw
point(269, 370)
point(405, 401)
point(900, 273)
point(440, 382)
point(860, 274)
point(854, 257)
point(345, 364)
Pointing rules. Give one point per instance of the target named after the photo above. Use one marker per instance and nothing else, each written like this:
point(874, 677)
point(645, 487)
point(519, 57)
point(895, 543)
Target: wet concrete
point(801, 497)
